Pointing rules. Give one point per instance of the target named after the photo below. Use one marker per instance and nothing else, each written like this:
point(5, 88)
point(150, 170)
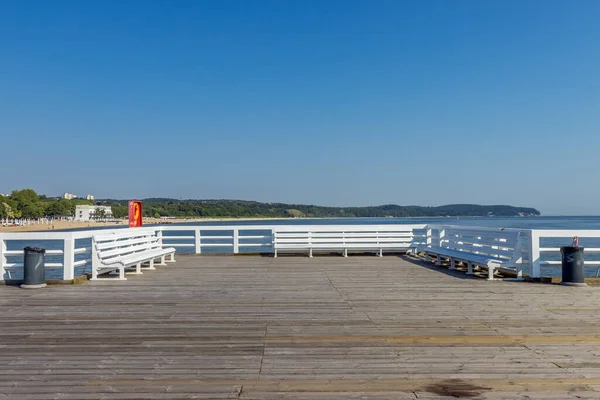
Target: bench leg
point(345, 252)
point(439, 260)
point(150, 265)
point(310, 253)
point(520, 274)
point(470, 268)
point(94, 274)
point(172, 258)
point(491, 269)
point(162, 260)
point(275, 254)
point(122, 273)
point(426, 256)
point(452, 263)
point(380, 252)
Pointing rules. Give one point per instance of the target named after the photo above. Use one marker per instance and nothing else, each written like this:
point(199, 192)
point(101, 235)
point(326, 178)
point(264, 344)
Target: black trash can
point(34, 268)
point(572, 266)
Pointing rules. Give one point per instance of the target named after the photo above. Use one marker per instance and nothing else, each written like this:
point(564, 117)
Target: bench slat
point(118, 236)
point(479, 241)
point(129, 249)
point(124, 243)
point(344, 240)
point(461, 255)
point(135, 258)
point(479, 249)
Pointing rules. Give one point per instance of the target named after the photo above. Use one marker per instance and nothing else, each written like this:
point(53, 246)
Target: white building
point(69, 196)
point(89, 197)
point(89, 213)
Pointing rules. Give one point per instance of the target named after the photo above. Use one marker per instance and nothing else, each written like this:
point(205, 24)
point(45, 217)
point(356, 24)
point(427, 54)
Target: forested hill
point(156, 207)
point(27, 203)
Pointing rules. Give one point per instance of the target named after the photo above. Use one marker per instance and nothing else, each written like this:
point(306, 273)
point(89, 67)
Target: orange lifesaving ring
point(136, 212)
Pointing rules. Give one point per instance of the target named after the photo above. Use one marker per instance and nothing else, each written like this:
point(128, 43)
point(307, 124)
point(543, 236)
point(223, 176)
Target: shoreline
point(67, 225)
point(64, 225)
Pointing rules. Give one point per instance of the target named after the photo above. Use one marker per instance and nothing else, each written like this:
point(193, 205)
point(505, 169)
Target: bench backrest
point(501, 244)
point(343, 237)
point(115, 245)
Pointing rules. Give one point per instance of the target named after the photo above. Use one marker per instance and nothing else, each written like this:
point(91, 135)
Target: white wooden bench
point(342, 239)
point(130, 248)
point(492, 249)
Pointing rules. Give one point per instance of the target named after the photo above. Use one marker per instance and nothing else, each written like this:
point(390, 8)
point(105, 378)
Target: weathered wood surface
point(299, 328)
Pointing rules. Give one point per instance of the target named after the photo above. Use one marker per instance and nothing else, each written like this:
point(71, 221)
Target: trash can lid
point(34, 249)
point(571, 248)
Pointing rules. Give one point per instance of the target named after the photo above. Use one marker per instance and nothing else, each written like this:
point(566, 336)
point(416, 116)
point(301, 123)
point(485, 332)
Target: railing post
point(344, 243)
point(534, 254)
point(442, 234)
point(198, 245)
point(160, 237)
point(236, 244)
point(517, 259)
point(427, 241)
point(69, 258)
point(414, 246)
point(2, 257)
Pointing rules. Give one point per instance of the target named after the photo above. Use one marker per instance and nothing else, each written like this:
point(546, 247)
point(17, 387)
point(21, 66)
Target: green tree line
point(26, 203)
point(157, 207)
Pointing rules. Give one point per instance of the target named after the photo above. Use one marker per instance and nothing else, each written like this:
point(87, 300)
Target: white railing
point(196, 239)
point(235, 238)
point(545, 244)
point(229, 238)
point(541, 247)
point(71, 256)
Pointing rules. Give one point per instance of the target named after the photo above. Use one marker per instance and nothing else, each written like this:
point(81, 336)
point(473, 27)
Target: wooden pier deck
point(300, 328)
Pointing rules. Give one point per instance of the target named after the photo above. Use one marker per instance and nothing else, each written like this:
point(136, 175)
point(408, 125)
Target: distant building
point(69, 196)
point(89, 197)
point(90, 213)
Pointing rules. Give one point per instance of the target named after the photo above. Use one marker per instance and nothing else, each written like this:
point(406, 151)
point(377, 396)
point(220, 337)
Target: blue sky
point(324, 102)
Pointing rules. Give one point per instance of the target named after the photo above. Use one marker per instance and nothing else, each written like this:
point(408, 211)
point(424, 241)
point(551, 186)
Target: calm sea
point(499, 222)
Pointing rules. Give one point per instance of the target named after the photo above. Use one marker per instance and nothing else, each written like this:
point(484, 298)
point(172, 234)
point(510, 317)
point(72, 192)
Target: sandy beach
point(61, 225)
point(57, 225)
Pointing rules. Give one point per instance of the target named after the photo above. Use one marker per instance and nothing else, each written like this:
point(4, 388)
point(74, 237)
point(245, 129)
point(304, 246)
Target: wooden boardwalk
point(300, 328)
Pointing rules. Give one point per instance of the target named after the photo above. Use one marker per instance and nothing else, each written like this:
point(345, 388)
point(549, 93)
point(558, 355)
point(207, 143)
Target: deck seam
point(346, 302)
point(262, 305)
point(263, 351)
